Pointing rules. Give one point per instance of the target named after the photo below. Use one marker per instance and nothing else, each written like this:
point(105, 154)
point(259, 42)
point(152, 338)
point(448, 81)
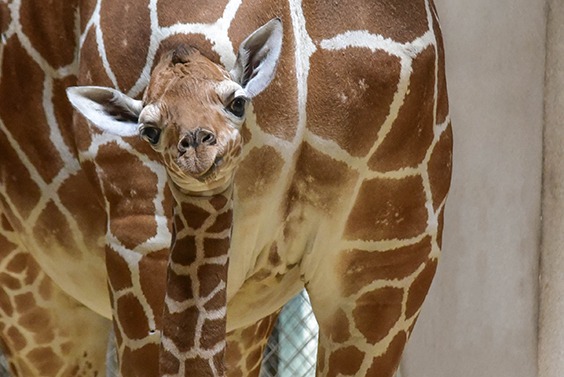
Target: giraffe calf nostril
point(208, 139)
point(205, 137)
point(185, 143)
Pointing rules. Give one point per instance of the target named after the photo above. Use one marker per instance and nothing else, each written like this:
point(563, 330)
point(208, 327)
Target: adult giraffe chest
point(343, 164)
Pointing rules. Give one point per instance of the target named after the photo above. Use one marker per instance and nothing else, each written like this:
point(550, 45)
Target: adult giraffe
point(342, 185)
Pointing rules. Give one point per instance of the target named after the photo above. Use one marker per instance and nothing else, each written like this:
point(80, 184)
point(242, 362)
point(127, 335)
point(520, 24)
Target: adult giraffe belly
point(63, 229)
point(284, 232)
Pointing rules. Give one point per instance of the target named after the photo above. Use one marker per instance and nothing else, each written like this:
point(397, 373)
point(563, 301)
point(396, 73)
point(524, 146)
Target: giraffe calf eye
point(237, 106)
point(150, 134)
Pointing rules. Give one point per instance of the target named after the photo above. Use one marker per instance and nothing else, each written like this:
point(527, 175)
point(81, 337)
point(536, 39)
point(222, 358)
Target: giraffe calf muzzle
point(193, 139)
point(198, 154)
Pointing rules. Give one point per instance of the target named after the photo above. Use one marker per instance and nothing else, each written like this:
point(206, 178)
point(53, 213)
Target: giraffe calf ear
point(258, 58)
point(108, 109)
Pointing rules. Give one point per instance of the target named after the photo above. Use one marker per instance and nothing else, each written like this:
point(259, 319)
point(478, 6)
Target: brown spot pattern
point(233, 356)
point(32, 272)
point(210, 275)
point(179, 286)
point(321, 358)
point(336, 328)
point(400, 21)
point(35, 320)
point(276, 108)
point(222, 222)
point(216, 302)
point(10, 282)
point(180, 327)
point(376, 312)
point(152, 271)
point(412, 132)
point(211, 332)
point(245, 347)
point(23, 108)
point(86, 11)
point(440, 168)
point(345, 361)
point(5, 224)
point(196, 365)
point(219, 362)
point(320, 180)
point(219, 202)
point(46, 289)
point(131, 317)
point(49, 25)
point(5, 17)
point(24, 302)
point(359, 268)
point(78, 195)
point(388, 209)
point(126, 38)
point(418, 290)
point(169, 364)
point(18, 263)
point(195, 216)
point(5, 302)
point(119, 271)
point(258, 172)
point(195, 40)
point(214, 247)
point(253, 359)
point(94, 72)
point(184, 251)
point(52, 228)
point(145, 356)
point(45, 360)
point(21, 189)
point(347, 102)
point(16, 338)
point(130, 195)
point(200, 11)
point(387, 364)
point(274, 256)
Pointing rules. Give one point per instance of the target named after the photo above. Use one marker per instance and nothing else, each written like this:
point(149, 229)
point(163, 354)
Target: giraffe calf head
point(192, 110)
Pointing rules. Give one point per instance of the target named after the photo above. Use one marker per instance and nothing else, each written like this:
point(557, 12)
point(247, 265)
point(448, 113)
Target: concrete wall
point(482, 314)
point(551, 323)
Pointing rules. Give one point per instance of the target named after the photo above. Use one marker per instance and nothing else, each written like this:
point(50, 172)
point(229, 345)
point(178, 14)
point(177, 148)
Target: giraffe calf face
point(192, 109)
point(192, 114)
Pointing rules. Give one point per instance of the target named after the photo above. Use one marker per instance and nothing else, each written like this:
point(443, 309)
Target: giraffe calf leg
point(43, 331)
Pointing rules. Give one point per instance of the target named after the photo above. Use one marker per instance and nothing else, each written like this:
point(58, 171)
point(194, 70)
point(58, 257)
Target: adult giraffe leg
point(367, 294)
point(44, 332)
point(245, 347)
point(365, 333)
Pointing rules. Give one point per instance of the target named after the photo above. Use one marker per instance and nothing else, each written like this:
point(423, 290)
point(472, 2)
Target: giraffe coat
point(341, 185)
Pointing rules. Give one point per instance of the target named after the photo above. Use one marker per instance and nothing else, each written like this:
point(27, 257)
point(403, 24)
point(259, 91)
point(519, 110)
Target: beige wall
point(481, 317)
point(551, 323)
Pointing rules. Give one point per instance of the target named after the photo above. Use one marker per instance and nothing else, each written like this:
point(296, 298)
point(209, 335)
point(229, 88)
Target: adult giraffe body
point(341, 187)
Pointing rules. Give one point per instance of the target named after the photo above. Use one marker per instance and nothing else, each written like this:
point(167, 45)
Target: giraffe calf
point(191, 114)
